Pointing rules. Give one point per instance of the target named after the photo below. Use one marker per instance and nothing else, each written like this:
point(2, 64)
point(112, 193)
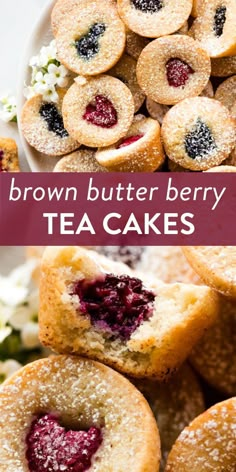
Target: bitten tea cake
point(93, 306)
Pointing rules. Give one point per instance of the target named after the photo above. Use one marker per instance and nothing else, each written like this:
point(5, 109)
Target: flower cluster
point(8, 108)
point(19, 341)
point(47, 74)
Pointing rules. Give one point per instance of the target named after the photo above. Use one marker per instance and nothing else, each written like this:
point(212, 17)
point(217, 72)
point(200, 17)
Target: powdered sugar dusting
point(209, 443)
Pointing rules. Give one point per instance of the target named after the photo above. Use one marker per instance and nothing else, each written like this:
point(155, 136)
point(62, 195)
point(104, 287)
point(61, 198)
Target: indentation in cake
point(200, 141)
point(88, 46)
point(101, 113)
point(178, 72)
point(54, 120)
point(148, 6)
point(117, 305)
point(51, 447)
point(219, 21)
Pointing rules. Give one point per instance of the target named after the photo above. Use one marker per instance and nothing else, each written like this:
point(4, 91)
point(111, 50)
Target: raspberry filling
point(2, 169)
point(148, 6)
point(54, 120)
point(88, 46)
point(50, 447)
point(178, 72)
point(219, 21)
point(130, 140)
point(101, 113)
point(116, 304)
point(200, 141)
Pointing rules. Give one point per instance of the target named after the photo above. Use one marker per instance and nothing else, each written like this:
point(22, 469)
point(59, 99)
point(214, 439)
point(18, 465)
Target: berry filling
point(51, 447)
point(148, 6)
point(130, 140)
point(116, 304)
point(178, 72)
point(54, 120)
point(102, 113)
point(200, 141)
point(219, 21)
point(129, 255)
point(88, 46)
point(2, 168)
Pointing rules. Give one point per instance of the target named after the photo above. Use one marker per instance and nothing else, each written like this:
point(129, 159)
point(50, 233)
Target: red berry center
point(116, 304)
point(178, 72)
point(50, 447)
point(101, 113)
point(130, 140)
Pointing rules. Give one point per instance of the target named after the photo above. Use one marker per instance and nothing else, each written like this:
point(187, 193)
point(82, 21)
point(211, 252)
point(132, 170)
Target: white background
point(17, 18)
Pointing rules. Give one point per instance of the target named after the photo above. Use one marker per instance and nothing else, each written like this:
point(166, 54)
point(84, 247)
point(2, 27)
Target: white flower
point(50, 94)
point(34, 61)
point(8, 108)
point(8, 368)
point(29, 92)
point(57, 75)
point(4, 332)
point(15, 288)
point(47, 54)
point(26, 313)
point(30, 335)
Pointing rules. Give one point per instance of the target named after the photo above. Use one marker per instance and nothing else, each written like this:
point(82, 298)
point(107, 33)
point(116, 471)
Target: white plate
point(41, 36)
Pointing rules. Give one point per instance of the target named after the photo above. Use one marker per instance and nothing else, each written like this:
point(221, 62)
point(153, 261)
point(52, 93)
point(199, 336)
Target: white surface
point(17, 20)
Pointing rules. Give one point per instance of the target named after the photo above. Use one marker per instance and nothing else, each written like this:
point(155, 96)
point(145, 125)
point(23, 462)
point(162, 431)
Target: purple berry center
point(116, 304)
point(101, 113)
point(50, 447)
point(54, 120)
point(148, 6)
point(88, 46)
point(2, 169)
point(199, 142)
point(130, 140)
point(178, 72)
point(219, 21)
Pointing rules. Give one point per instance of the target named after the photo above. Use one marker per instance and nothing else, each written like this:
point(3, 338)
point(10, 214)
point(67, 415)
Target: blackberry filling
point(148, 6)
point(129, 255)
point(178, 72)
point(101, 113)
point(219, 21)
point(51, 447)
point(200, 141)
point(88, 46)
point(116, 304)
point(2, 169)
point(54, 120)
point(130, 140)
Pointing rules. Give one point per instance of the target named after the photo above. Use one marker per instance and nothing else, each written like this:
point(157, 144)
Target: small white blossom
point(30, 335)
point(50, 94)
point(34, 61)
point(47, 74)
point(8, 368)
point(4, 332)
point(47, 54)
point(26, 313)
point(29, 92)
point(57, 75)
point(8, 108)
